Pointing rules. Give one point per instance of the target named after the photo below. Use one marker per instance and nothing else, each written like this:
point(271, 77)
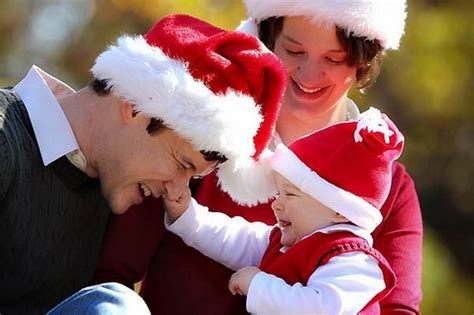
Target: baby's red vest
point(300, 261)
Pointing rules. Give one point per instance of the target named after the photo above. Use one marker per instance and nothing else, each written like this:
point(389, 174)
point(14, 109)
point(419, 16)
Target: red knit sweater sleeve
point(130, 244)
point(399, 239)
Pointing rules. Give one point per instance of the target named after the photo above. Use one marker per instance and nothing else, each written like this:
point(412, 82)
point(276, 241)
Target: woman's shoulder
point(402, 198)
point(401, 176)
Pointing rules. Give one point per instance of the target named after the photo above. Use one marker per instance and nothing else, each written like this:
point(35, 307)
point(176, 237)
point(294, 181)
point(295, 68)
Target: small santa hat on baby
point(383, 20)
point(346, 166)
point(220, 90)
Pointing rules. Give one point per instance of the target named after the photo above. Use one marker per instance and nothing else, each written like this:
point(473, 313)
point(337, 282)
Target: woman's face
point(318, 75)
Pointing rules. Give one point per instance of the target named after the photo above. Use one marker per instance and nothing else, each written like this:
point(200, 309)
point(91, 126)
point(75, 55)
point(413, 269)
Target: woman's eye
point(288, 194)
point(294, 52)
point(335, 61)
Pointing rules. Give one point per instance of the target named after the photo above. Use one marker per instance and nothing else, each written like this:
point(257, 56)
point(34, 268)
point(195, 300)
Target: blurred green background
point(427, 88)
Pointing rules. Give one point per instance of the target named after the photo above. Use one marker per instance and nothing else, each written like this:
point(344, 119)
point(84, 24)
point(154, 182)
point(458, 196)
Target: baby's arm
point(342, 286)
point(233, 242)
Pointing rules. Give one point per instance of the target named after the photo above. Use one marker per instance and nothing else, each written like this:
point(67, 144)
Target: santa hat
point(346, 166)
point(373, 19)
point(219, 90)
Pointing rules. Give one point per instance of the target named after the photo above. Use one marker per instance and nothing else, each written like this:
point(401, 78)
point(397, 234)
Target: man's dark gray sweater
point(52, 220)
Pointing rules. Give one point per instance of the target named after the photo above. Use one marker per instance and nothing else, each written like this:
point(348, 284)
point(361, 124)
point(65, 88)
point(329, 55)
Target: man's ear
point(127, 112)
point(339, 218)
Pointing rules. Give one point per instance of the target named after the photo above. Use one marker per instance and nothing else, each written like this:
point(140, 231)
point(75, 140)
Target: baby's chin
point(287, 242)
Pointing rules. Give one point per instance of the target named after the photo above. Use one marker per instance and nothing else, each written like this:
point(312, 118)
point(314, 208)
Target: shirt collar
point(353, 112)
point(354, 229)
point(52, 129)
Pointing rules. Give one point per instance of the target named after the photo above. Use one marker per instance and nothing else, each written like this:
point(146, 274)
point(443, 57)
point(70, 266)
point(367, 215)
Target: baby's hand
point(175, 208)
point(239, 282)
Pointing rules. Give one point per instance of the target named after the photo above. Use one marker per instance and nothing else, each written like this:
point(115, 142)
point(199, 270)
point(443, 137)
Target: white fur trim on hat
point(353, 207)
point(162, 87)
point(248, 26)
point(251, 183)
point(374, 19)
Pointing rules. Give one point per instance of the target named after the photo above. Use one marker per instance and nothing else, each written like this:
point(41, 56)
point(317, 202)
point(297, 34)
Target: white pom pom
point(248, 184)
point(373, 121)
point(248, 26)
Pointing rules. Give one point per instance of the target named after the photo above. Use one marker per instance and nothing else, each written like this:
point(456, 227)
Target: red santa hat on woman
point(373, 19)
point(346, 166)
point(219, 90)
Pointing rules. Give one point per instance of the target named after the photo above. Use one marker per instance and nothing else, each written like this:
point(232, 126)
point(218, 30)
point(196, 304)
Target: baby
point(318, 259)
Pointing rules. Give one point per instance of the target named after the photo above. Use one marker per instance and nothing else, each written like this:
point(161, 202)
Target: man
point(162, 108)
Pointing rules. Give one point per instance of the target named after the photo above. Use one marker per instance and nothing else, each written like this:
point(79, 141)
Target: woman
point(327, 48)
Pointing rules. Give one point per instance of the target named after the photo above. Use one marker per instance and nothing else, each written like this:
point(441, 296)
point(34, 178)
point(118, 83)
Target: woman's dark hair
point(156, 125)
point(366, 54)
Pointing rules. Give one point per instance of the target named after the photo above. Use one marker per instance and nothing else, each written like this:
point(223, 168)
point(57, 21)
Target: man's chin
point(119, 211)
point(122, 204)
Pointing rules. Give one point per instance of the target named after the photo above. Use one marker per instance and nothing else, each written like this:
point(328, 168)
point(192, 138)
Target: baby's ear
point(339, 218)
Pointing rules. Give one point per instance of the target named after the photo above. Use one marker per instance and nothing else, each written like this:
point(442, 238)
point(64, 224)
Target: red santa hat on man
point(346, 166)
point(383, 20)
point(219, 90)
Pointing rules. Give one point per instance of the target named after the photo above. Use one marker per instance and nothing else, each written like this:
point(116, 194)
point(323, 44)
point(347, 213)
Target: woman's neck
point(290, 127)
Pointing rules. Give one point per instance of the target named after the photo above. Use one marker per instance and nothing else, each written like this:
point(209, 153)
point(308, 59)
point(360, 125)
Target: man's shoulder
point(8, 98)
point(7, 95)
point(10, 120)
point(11, 107)
point(7, 152)
point(6, 149)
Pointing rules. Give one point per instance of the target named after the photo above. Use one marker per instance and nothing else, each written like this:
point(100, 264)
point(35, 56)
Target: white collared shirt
point(52, 129)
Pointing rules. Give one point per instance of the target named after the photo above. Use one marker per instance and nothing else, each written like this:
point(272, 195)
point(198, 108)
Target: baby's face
point(297, 213)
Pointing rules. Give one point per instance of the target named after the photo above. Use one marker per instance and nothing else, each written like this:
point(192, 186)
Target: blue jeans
point(107, 298)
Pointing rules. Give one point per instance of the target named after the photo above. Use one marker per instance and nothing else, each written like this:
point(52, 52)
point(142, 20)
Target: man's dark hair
point(156, 125)
point(101, 88)
point(366, 54)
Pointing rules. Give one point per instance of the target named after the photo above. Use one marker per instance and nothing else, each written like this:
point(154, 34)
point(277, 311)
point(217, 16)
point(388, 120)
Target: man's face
point(144, 164)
